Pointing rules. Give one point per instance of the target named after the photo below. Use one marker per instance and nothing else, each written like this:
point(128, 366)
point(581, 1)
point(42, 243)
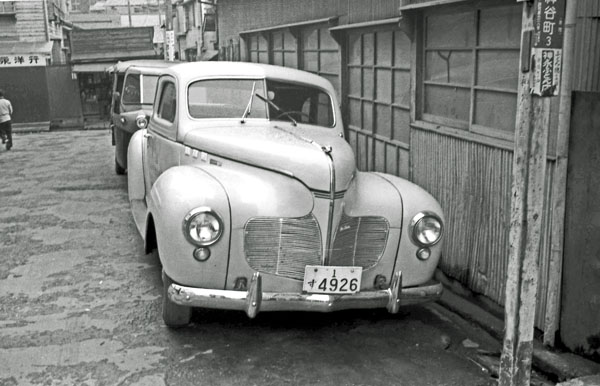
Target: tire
point(119, 169)
point(174, 315)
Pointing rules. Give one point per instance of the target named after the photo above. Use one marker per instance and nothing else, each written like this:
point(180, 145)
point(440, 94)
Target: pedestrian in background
point(6, 111)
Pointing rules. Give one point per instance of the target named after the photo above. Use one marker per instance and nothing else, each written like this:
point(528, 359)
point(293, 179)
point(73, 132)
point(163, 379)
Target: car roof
point(142, 63)
point(191, 71)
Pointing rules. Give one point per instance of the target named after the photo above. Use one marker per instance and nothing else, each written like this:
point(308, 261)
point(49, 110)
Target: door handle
point(147, 135)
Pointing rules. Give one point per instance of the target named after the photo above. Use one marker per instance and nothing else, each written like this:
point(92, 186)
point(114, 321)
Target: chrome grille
point(283, 246)
point(359, 241)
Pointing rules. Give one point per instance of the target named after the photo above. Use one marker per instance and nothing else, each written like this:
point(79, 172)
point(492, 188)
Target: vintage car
point(245, 186)
point(134, 83)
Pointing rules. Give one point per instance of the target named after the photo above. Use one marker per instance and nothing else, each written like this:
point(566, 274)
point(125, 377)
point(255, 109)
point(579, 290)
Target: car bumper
point(255, 300)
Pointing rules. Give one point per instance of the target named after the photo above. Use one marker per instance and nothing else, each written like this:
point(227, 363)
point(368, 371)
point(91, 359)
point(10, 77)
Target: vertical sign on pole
point(170, 42)
point(547, 46)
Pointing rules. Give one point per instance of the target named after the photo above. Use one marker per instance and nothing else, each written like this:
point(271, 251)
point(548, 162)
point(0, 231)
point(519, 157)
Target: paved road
point(80, 301)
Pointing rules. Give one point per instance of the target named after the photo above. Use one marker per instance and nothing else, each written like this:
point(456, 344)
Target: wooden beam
point(527, 205)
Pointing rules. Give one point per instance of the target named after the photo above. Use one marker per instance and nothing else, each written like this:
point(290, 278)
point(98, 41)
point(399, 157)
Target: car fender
point(175, 193)
point(135, 180)
point(415, 199)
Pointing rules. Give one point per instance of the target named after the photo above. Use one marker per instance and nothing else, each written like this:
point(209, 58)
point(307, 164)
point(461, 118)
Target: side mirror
point(117, 96)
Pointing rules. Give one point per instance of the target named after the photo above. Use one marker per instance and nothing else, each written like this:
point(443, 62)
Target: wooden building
point(33, 55)
point(429, 92)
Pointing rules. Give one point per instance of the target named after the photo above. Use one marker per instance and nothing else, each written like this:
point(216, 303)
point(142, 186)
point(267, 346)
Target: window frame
point(468, 127)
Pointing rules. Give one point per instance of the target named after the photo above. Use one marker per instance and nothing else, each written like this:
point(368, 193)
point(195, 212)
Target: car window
point(120, 78)
point(226, 98)
point(149, 88)
point(304, 103)
point(131, 89)
point(167, 106)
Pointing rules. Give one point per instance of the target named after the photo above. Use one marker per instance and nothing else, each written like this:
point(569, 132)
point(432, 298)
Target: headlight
point(426, 229)
point(202, 227)
point(141, 121)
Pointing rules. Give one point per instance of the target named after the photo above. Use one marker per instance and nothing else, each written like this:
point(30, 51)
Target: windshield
point(134, 94)
point(247, 98)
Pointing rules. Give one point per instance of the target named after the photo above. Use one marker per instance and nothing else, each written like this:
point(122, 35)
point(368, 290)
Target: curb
point(561, 366)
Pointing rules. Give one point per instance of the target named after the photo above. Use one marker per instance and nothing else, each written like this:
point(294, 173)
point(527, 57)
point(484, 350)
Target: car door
point(162, 149)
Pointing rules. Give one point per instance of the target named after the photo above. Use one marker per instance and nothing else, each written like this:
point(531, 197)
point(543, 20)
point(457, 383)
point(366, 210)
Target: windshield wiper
point(248, 109)
point(278, 109)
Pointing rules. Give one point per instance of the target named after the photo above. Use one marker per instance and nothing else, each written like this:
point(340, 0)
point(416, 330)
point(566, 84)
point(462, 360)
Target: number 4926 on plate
point(331, 280)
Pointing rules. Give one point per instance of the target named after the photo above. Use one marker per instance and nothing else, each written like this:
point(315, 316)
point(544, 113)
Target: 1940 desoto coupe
point(244, 185)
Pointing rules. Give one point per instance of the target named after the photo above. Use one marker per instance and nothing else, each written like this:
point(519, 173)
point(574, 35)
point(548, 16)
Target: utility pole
point(540, 61)
point(129, 12)
point(169, 33)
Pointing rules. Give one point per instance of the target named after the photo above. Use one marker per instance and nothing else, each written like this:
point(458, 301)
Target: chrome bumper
point(254, 300)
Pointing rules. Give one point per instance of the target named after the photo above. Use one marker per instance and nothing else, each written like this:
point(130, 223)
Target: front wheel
point(173, 314)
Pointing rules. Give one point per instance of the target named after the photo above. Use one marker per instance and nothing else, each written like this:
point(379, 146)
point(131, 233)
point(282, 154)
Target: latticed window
point(471, 62)
point(284, 49)
point(320, 54)
point(258, 48)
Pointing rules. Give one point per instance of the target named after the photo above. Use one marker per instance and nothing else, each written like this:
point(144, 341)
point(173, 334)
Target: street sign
point(547, 46)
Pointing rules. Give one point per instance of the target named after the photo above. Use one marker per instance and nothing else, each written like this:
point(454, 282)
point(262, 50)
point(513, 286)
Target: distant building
point(195, 26)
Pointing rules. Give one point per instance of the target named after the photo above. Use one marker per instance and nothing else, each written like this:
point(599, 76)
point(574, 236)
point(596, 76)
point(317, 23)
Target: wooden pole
point(559, 187)
point(527, 205)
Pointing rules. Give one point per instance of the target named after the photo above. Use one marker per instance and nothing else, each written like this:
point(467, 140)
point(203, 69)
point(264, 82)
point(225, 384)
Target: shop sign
point(170, 43)
point(549, 27)
point(22, 60)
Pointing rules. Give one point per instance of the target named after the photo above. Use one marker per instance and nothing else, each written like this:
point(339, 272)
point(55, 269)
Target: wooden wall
point(28, 25)
point(586, 61)
point(472, 182)
point(241, 15)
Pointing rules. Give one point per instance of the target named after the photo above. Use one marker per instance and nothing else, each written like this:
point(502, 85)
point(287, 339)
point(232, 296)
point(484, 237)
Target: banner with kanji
point(547, 46)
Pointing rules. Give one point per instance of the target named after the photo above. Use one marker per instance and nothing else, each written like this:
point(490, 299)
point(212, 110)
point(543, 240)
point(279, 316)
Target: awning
point(26, 47)
point(416, 4)
point(394, 20)
point(331, 20)
point(91, 67)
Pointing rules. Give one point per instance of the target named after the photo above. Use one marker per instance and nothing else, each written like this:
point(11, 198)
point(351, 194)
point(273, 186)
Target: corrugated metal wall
point(586, 61)
point(472, 181)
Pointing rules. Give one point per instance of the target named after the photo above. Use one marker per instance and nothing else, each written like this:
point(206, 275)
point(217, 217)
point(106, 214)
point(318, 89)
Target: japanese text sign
point(22, 60)
point(547, 46)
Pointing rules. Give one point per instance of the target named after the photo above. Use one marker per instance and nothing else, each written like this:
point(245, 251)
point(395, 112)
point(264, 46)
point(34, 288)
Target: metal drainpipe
point(47, 28)
point(559, 188)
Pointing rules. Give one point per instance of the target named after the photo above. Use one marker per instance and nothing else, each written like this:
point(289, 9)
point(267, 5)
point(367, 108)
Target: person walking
point(6, 111)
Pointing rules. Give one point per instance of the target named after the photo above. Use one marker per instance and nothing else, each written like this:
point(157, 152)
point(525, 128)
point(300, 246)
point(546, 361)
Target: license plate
point(331, 280)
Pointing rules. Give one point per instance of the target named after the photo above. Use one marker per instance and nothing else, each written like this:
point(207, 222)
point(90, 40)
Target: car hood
point(301, 153)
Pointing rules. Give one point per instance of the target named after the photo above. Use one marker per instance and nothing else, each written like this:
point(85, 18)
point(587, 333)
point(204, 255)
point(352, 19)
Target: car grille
point(359, 241)
point(283, 246)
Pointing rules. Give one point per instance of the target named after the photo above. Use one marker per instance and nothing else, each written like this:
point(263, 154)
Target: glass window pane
point(131, 89)
point(496, 110)
point(362, 153)
point(498, 69)
point(401, 126)
point(384, 121)
point(277, 39)
point(327, 41)
point(225, 98)
point(402, 87)
point(453, 30)
point(384, 85)
point(310, 39)
point(278, 58)
point(290, 59)
point(368, 45)
point(380, 156)
point(355, 112)
point(384, 48)
point(149, 89)
point(355, 48)
point(262, 43)
point(263, 57)
point(330, 62)
point(254, 56)
point(367, 110)
point(289, 42)
point(391, 159)
point(449, 102)
point(354, 81)
point(454, 67)
point(500, 26)
point(311, 61)
point(253, 44)
point(401, 50)
point(368, 83)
